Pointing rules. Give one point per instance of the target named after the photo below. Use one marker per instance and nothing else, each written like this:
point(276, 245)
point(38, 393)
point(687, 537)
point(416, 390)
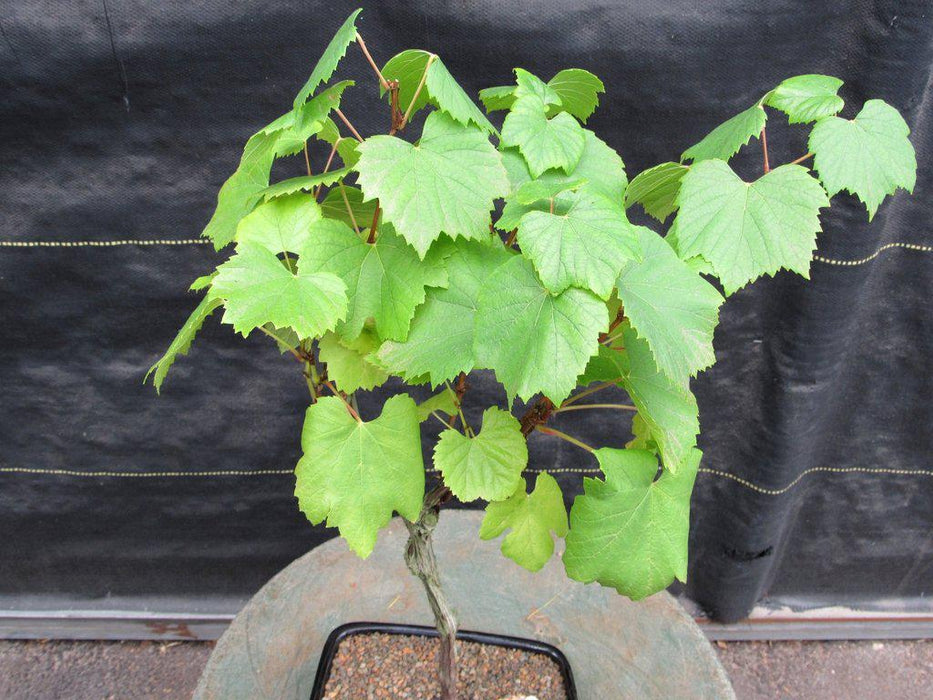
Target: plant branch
point(587, 392)
point(374, 225)
point(587, 406)
point(510, 241)
point(352, 128)
point(801, 159)
point(414, 98)
point(536, 415)
point(564, 436)
point(459, 391)
point(307, 159)
point(764, 149)
point(339, 395)
point(382, 80)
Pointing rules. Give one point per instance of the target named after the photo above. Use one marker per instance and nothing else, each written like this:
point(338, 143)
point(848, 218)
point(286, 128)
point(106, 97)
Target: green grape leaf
point(535, 342)
point(280, 225)
point(725, 140)
point(240, 192)
point(544, 143)
point(445, 184)
point(671, 307)
point(630, 531)
point(258, 289)
point(440, 88)
point(443, 355)
point(444, 401)
point(670, 410)
point(327, 64)
point(805, 98)
point(385, 280)
point(348, 364)
point(182, 342)
point(869, 156)
point(355, 474)
point(497, 98)
point(529, 84)
point(296, 126)
point(641, 436)
point(532, 518)
point(656, 189)
point(487, 466)
point(578, 90)
point(747, 229)
point(303, 183)
point(536, 190)
point(583, 244)
point(333, 206)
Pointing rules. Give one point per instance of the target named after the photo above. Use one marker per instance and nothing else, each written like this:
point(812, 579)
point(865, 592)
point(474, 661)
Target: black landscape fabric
point(120, 119)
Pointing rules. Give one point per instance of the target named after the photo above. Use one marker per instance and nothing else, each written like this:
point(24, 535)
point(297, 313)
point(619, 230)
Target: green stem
point(588, 392)
point(282, 342)
point(424, 77)
point(587, 406)
point(564, 436)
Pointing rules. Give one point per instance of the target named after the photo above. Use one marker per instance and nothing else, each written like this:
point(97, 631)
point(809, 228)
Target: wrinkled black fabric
point(128, 134)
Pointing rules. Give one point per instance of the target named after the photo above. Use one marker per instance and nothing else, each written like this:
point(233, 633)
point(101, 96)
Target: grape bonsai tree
point(470, 247)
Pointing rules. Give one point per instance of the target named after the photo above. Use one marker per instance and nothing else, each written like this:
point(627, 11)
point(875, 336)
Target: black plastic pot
point(529, 645)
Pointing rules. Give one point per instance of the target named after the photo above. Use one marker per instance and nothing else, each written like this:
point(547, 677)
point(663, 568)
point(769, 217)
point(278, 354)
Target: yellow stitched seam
point(850, 263)
point(99, 244)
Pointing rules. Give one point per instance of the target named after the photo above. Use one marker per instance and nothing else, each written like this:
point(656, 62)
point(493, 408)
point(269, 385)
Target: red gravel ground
point(371, 666)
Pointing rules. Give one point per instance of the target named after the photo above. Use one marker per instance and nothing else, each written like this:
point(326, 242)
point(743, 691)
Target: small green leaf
point(445, 184)
point(355, 474)
point(536, 190)
point(544, 143)
point(641, 436)
point(487, 466)
point(450, 98)
point(805, 98)
point(303, 183)
point(202, 282)
point(296, 126)
point(498, 98)
point(280, 225)
point(183, 340)
point(532, 518)
point(385, 280)
point(258, 289)
point(725, 140)
point(444, 401)
point(630, 531)
point(656, 189)
point(440, 342)
point(583, 244)
point(240, 192)
point(670, 410)
point(747, 229)
point(348, 364)
point(333, 206)
point(869, 156)
point(578, 90)
point(327, 64)
point(528, 84)
point(671, 307)
point(535, 342)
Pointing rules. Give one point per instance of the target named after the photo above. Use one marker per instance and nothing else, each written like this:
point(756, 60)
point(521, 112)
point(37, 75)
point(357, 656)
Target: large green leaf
point(532, 518)
point(578, 90)
point(440, 342)
point(440, 88)
point(445, 184)
point(296, 126)
point(385, 280)
point(805, 98)
point(671, 306)
point(355, 474)
point(584, 243)
point(258, 289)
point(725, 140)
point(630, 531)
point(747, 229)
point(535, 342)
point(544, 143)
point(487, 466)
point(182, 342)
point(656, 189)
point(348, 362)
point(281, 225)
point(327, 64)
point(869, 156)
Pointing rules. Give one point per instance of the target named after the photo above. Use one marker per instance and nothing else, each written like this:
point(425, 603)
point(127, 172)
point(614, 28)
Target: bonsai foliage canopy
point(473, 246)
